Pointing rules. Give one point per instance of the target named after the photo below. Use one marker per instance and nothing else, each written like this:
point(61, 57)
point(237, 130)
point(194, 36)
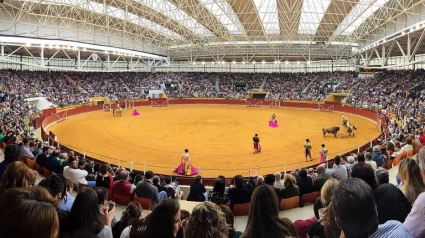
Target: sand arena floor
point(219, 137)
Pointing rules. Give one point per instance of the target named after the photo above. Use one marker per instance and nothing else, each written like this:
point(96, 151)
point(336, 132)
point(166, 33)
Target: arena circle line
point(262, 161)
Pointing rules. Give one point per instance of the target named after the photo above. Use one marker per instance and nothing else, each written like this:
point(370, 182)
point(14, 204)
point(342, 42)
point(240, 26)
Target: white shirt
point(126, 232)
point(406, 148)
point(372, 164)
point(77, 176)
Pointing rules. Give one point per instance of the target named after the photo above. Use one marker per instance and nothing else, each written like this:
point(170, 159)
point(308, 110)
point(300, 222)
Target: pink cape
point(193, 170)
point(136, 113)
point(273, 124)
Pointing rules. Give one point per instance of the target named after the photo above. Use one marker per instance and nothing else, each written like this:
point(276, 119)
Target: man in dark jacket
point(390, 201)
point(197, 190)
point(321, 178)
point(241, 193)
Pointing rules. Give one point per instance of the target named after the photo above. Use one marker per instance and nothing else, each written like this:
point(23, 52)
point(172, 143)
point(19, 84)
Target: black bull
point(331, 130)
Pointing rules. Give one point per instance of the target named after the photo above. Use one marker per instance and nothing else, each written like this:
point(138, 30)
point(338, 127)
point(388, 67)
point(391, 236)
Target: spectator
point(146, 189)
point(197, 190)
point(377, 156)
point(382, 176)
point(355, 212)
point(415, 220)
point(104, 179)
point(85, 215)
point(33, 205)
point(278, 184)
point(217, 195)
point(157, 183)
point(305, 183)
point(390, 201)
point(102, 201)
point(52, 162)
point(207, 221)
point(322, 177)
point(18, 175)
point(66, 203)
point(407, 147)
point(326, 225)
point(413, 184)
point(56, 185)
point(122, 187)
point(164, 221)
point(339, 171)
point(263, 218)
point(41, 159)
point(131, 215)
point(76, 175)
point(171, 191)
point(422, 137)
point(11, 154)
point(137, 179)
point(26, 150)
point(230, 220)
point(291, 189)
point(241, 193)
point(369, 161)
point(260, 180)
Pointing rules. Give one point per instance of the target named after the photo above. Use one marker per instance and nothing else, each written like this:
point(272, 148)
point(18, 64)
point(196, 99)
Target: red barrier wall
point(51, 118)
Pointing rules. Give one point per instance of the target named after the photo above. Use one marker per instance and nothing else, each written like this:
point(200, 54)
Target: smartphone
point(111, 206)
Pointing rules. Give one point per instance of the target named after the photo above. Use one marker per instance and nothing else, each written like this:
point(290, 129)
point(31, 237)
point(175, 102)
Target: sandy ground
point(219, 137)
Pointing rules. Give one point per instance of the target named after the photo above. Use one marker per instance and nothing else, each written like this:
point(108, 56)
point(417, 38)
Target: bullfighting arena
point(219, 137)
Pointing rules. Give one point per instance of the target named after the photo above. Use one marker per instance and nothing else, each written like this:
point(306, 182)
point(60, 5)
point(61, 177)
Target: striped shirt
point(391, 229)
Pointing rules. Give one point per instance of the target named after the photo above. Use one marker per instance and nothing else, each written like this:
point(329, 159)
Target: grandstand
point(193, 81)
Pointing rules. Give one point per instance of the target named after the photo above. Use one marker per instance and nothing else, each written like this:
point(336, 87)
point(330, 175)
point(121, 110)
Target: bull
point(332, 130)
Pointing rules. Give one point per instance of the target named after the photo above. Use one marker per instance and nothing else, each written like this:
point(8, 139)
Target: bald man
point(321, 178)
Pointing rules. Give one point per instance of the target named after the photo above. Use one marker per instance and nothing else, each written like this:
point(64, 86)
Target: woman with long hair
point(263, 218)
point(86, 215)
point(164, 221)
point(18, 175)
point(218, 196)
point(410, 175)
point(290, 187)
point(28, 212)
point(326, 226)
point(230, 220)
point(207, 221)
point(130, 216)
point(104, 179)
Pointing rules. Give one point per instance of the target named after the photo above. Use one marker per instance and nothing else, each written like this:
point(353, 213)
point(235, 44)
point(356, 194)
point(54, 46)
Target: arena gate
point(255, 99)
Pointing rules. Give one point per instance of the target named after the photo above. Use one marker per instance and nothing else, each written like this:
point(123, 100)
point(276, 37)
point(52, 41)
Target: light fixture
point(253, 62)
point(223, 62)
point(194, 63)
point(75, 48)
point(234, 62)
point(107, 52)
point(57, 47)
point(263, 62)
point(50, 46)
point(402, 33)
point(68, 47)
point(308, 62)
point(286, 62)
point(243, 62)
point(298, 62)
point(275, 62)
point(212, 62)
point(84, 49)
point(203, 62)
point(42, 45)
point(28, 45)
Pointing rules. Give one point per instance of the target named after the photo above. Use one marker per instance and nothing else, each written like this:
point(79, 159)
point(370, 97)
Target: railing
point(50, 116)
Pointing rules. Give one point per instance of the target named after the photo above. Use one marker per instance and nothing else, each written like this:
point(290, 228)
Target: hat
point(376, 148)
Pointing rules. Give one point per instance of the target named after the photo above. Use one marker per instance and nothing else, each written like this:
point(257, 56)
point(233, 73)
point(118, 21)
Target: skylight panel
point(170, 10)
point(267, 11)
point(312, 13)
point(153, 26)
point(362, 11)
point(224, 13)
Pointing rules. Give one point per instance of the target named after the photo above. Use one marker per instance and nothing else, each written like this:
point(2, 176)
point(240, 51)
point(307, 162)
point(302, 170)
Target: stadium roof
point(215, 29)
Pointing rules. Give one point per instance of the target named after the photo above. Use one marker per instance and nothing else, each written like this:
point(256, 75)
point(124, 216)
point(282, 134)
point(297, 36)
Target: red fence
point(50, 116)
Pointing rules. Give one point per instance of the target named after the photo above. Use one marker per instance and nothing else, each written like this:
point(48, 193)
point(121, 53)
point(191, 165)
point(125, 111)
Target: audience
point(145, 189)
point(230, 220)
point(85, 215)
point(412, 183)
point(355, 212)
point(197, 190)
point(263, 218)
point(11, 154)
point(28, 212)
point(207, 221)
point(122, 187)
point(18, 175)
point(66, 203)
point(241, 192)
point(217, 195)
point(131, 215)
point(290, 189)
point(321, 178)
point(339, 171)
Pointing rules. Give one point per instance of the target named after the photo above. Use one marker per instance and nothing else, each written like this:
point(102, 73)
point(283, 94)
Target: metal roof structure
point(226, 30)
